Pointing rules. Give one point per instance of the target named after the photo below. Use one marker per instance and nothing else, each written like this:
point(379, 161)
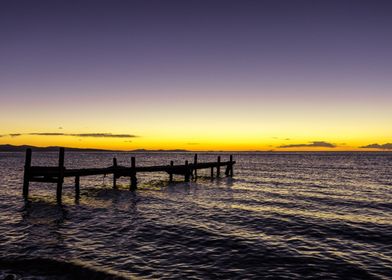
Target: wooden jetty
point(56, 174)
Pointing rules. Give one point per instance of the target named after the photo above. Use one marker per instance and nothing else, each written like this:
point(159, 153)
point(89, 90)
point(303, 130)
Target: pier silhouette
point(56, 174)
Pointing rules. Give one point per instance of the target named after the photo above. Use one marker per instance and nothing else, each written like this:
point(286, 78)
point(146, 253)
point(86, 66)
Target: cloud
point(11, 135)
point(96, 135)
point(47, 134)
point(102, 135)
point(321, 144)
point(386, 146)
point(286, 139)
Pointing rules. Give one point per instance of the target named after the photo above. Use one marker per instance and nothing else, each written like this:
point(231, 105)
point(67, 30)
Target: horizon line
point(197, 151)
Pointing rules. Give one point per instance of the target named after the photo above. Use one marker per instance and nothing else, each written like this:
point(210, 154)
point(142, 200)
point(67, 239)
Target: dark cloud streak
point(103, 135)
point(95, 135)
point(386, 146)
point(46, 134)
point(320, 144)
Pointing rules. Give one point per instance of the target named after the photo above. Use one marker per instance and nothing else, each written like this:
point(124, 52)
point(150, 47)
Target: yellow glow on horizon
point(211, 142)
point(235, 123)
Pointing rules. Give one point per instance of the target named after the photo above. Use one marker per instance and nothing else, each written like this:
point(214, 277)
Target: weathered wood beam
point(114, 173)
point(187, 171)
point(77, 186)
point(60, 178)
point(26, 176)
point(171, 173)
point(44, 179)
point(122, 171)
point(195, 164)
point(218, 167)
point(231, 165)
point(44, 171)
point(133, 185)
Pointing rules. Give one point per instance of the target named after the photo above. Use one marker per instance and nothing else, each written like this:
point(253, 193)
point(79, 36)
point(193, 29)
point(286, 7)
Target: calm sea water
point(282, 216)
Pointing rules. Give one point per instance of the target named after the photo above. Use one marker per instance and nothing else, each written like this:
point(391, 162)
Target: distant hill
point(13, 148)
point(159, 151)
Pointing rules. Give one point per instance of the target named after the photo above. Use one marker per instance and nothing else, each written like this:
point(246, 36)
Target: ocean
point(282, 216)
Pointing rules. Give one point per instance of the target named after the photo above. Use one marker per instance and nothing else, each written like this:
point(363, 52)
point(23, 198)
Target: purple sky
point(217, 43)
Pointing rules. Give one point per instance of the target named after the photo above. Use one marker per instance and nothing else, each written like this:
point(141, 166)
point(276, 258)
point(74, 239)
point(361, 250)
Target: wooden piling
point(195, 163)
point(227, 171)
point(187, 171)
point(212, 173)
point(60, 178)
point(218, 167)
point(77, 186)
point(231, 165)
point(171, 173)
point(114, 173)
point(133, 185)
point(26, 176)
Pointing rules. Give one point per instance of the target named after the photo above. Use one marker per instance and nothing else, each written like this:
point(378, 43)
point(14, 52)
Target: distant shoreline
point(22, 148)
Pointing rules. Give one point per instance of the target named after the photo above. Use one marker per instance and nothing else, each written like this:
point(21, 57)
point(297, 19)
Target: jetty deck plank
point(54, 171)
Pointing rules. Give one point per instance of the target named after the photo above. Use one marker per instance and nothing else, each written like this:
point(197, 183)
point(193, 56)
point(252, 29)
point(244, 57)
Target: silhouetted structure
point(58, 173)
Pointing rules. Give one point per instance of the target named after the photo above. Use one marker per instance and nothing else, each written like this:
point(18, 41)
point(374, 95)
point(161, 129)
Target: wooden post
point(195, 163)
point(171, 172)
point(218, 167)
point(114, 173)
point(186, 172)
point(133, 185)
point(60, 178)
point(227, 171)
point(77, 186)
point(212, 173)
point(231, 165)
point(26, 177)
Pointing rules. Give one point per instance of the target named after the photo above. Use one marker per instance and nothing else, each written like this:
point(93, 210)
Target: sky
point(197, 75)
